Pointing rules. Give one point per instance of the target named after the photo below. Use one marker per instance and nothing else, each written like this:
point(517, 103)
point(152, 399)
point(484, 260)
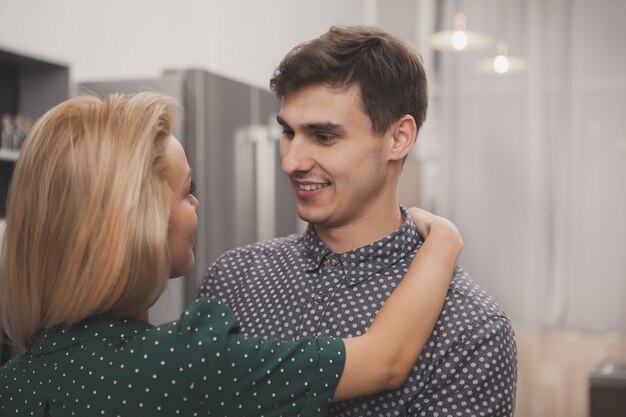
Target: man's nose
point(295, 155)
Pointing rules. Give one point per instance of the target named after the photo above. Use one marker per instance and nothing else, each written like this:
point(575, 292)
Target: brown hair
point(389, 72)
point(87, 215)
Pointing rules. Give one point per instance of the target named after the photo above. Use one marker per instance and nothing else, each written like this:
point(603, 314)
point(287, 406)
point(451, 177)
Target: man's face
point(338, 167)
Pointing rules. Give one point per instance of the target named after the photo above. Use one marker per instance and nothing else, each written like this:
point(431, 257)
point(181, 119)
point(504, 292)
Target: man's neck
point(362, 231)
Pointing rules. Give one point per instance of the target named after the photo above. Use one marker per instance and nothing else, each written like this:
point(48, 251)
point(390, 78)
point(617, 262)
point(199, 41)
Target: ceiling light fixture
point(502, 62)
point(460, 39)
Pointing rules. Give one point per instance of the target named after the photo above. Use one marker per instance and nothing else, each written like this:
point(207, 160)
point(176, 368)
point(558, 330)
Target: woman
point(100, 214)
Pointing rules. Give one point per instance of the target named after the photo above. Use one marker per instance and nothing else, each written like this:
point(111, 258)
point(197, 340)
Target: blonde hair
point(87, 215)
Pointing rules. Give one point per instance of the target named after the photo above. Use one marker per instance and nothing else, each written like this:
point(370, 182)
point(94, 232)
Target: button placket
point(330, 278)
point(328, 286)
point(334, 274)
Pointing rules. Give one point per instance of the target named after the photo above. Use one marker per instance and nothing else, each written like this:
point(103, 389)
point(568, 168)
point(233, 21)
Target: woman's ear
point(403, 137)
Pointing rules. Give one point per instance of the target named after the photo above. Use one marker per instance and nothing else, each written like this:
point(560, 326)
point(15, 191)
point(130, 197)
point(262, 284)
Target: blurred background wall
point(529, 163)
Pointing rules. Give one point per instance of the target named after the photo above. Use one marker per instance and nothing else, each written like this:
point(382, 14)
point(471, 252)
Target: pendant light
point(502, 62)
point(460, 39)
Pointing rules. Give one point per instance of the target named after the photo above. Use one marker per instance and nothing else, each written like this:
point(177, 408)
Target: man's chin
point(312, 216)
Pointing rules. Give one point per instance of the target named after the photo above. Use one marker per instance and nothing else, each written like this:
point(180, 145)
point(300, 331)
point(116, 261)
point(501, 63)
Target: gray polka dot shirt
point(197, 366)
point(295, 286)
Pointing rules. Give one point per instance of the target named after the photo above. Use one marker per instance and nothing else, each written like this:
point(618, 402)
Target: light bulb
point(501, 64)
point(459, 40)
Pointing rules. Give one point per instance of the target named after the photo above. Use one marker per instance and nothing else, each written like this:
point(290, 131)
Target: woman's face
point(183, 220)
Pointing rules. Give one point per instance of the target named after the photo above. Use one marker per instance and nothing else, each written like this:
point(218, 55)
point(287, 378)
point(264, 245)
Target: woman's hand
point(427, 223)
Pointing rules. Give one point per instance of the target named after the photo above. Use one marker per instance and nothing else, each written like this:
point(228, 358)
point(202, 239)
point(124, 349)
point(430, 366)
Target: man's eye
point(288, 133)
point(192, 188)
point(324, 138)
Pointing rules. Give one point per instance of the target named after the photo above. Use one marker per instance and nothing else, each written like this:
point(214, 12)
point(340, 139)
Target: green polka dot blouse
point(196, 366)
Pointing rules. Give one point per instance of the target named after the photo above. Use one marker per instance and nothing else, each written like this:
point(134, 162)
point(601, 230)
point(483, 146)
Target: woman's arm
point(382, 358)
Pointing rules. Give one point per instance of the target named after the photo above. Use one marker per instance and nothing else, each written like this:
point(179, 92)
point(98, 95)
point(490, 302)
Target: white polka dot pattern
point(295, 286)
point(198, 365)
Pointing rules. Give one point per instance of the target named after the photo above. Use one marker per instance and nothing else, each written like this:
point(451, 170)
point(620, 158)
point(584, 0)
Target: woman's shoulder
point(207, 314)
point(204, 322)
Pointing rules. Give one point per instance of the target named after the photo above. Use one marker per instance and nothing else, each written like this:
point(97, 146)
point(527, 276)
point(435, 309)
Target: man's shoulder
point(232, 270)
point(466, 293)
point(258, 254)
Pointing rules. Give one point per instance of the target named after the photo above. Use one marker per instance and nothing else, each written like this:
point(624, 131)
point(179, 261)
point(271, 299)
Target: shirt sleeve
point(476, 378)
point(237, 375)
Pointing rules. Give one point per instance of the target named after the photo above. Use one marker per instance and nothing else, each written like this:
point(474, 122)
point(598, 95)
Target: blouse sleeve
point(249, 376)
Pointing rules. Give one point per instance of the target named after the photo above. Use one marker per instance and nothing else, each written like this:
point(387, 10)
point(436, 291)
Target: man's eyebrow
point(281, 121)
point(316, 126)
point(331, 127)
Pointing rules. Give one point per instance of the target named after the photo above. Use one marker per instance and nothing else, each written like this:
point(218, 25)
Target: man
point(353, 101)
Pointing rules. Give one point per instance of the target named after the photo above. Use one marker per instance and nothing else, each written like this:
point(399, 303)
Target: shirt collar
point(62, 337)
point(362, 263)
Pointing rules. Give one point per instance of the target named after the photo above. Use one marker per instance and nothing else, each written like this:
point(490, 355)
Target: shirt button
point(318, 297)
point(334, 261)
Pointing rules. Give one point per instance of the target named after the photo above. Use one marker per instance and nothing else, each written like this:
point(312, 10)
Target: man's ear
point(403, 137)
